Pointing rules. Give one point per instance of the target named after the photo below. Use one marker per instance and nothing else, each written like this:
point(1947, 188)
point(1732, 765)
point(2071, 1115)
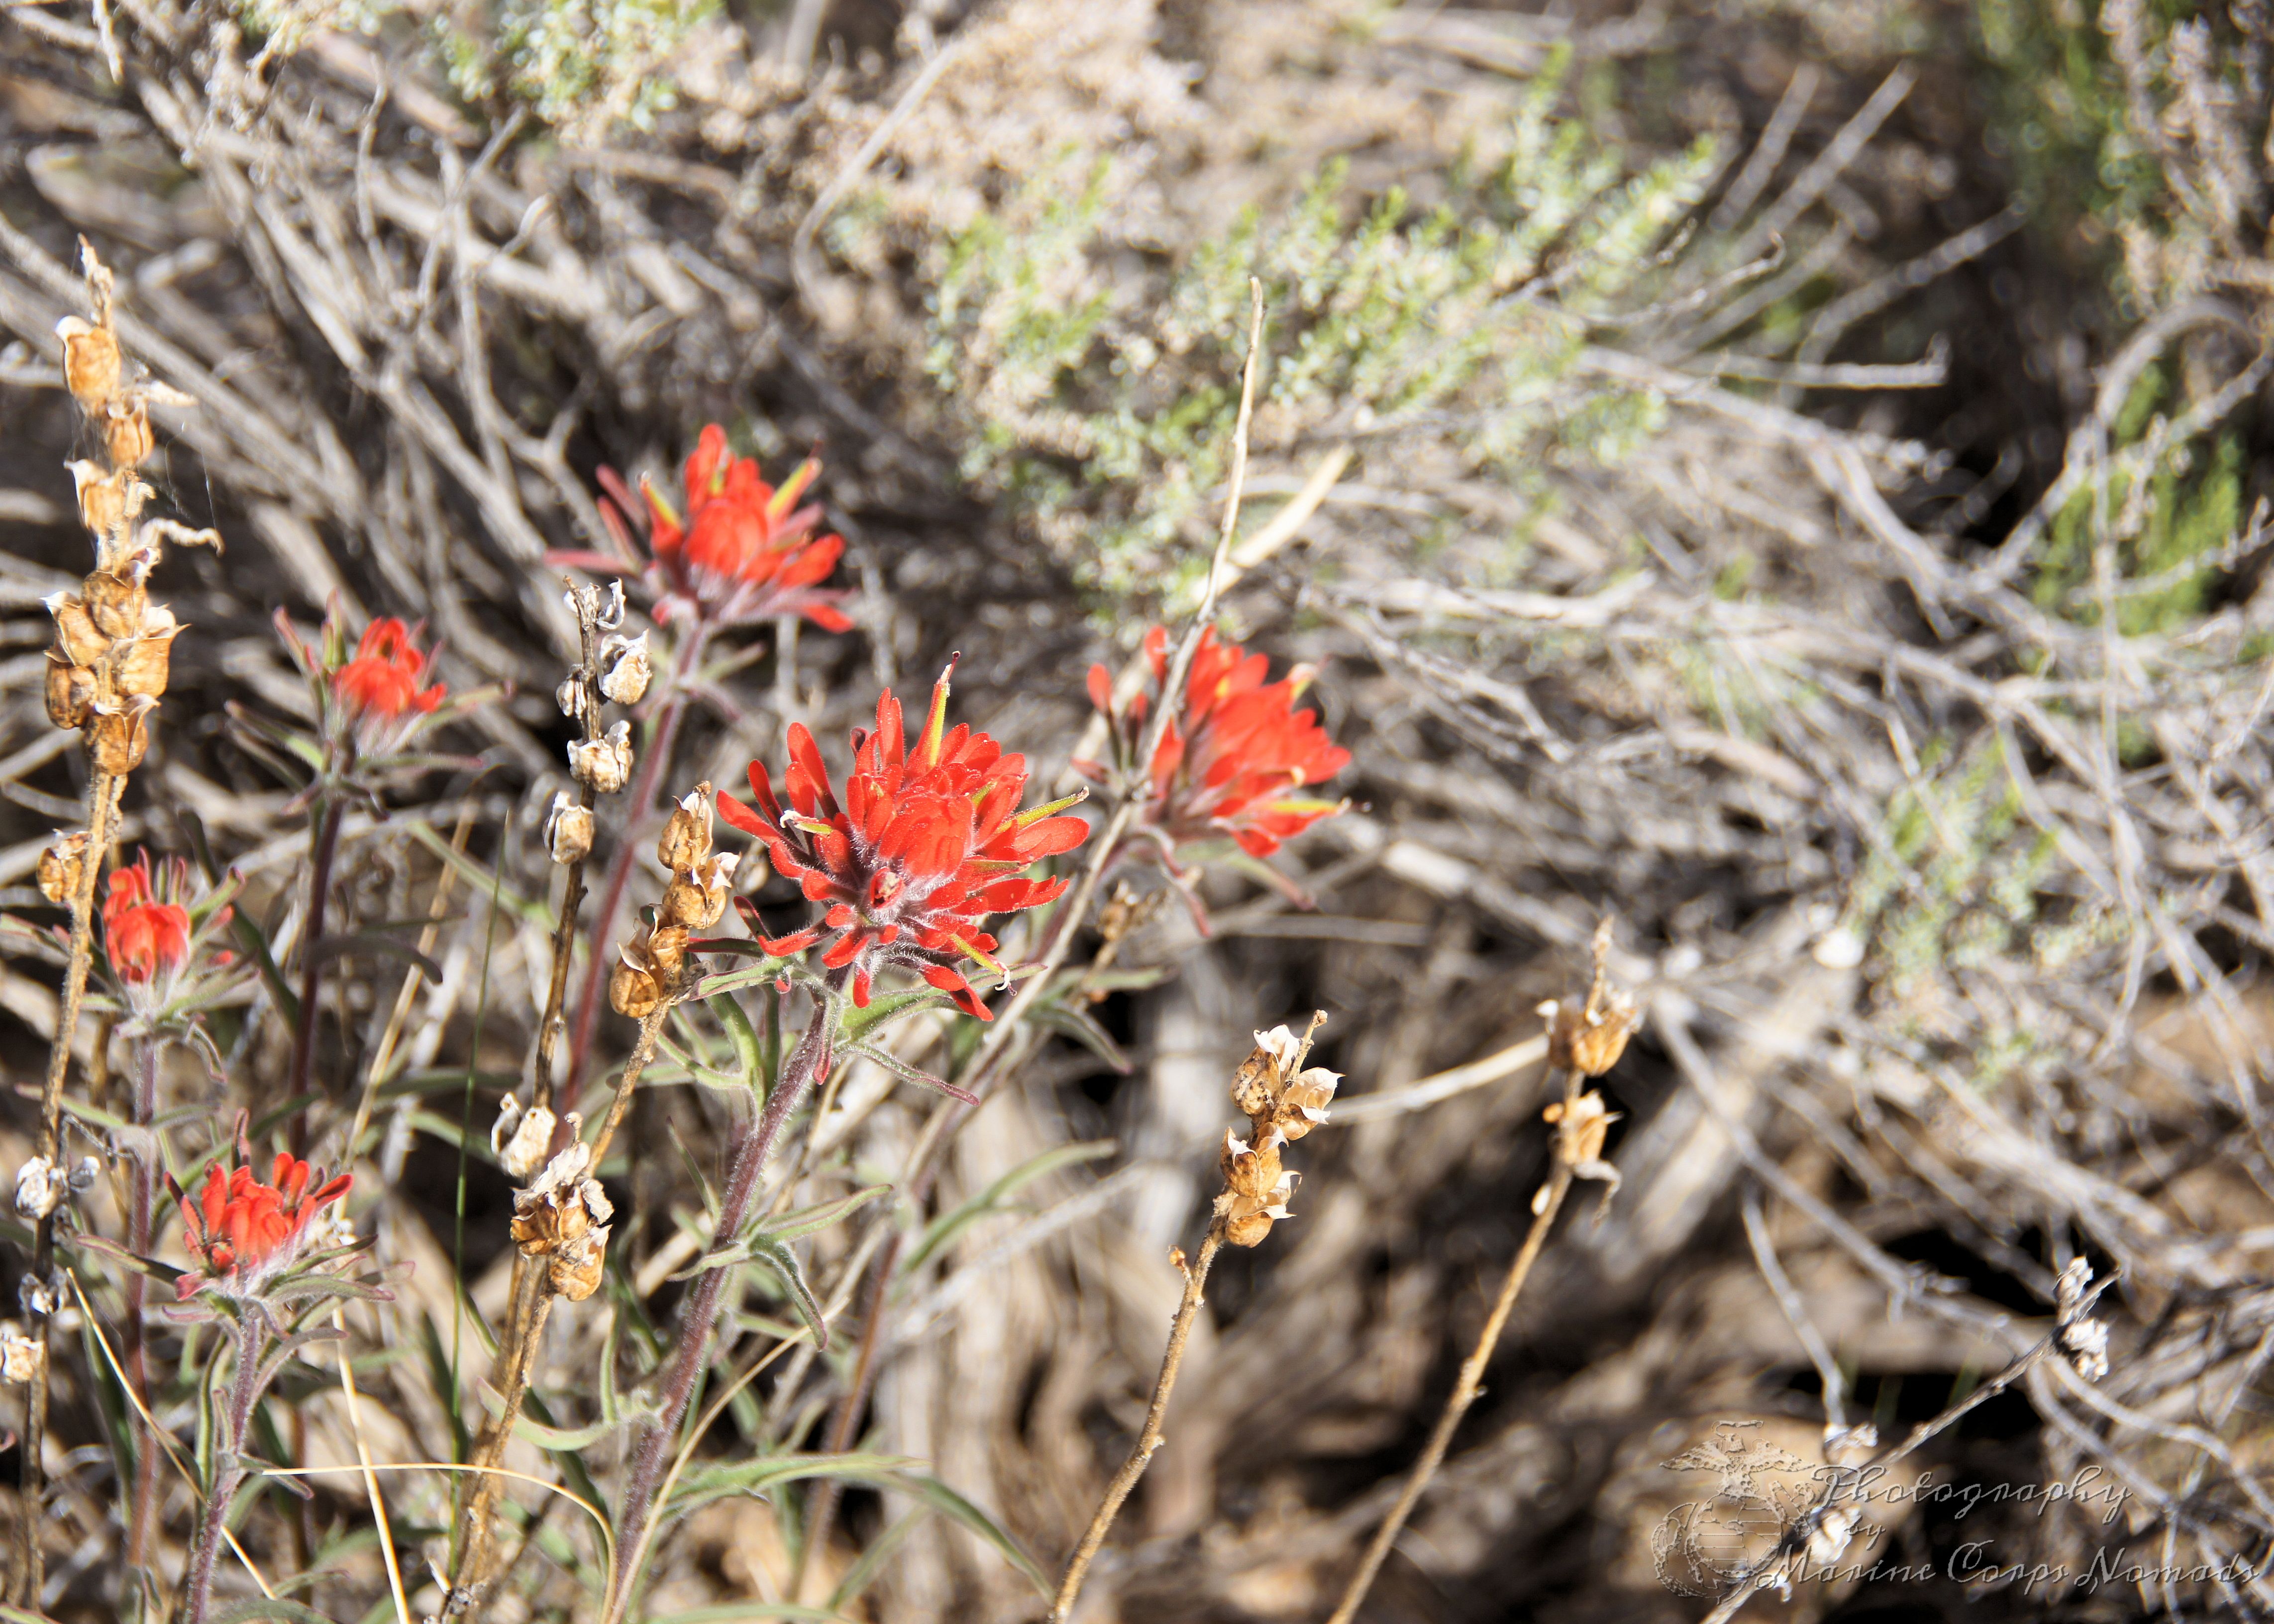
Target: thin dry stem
point(103, 792)
point(532, 1306)
point(1148, 1439)
point(1464, 1389)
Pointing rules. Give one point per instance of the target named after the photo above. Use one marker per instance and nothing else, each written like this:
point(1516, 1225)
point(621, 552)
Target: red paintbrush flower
point(146, 939)
point(240, 1231)
point(1230, 756)
point(379, 689)
point(745, 551)
point(928, 843)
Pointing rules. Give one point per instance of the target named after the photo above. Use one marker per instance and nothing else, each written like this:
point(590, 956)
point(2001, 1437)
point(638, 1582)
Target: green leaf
point(1070, 1020)
point(856, 1023)
point(770, 1471)
point(809, 1219)
point(952, 1506)
point(947, 1226)
point(242, 925)
point(762, 974)
point(779, 1258)
point(270, 1607)
point(744, 1037)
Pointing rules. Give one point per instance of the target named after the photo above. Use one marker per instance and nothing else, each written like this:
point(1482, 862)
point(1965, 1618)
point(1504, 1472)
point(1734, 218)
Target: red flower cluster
point(239, 1231)
point(379, 687)
point(1230, 755)
point(146, 939)
point(745, 551)
point(927, 844)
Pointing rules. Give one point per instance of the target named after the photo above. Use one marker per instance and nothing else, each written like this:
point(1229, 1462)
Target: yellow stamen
point(792, 488)
point(936, 724)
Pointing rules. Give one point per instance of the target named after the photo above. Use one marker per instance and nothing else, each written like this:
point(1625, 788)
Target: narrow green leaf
point(951, 1505)
point(779, 1258)
point(947, 1226)
point(857, 1023)
point(744, 1037)
point(270, 1607)
point(756, 1477)
point(809, 1219)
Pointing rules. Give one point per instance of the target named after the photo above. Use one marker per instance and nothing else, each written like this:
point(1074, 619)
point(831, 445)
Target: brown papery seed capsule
point(115, 600)
point(118, 737)
point(574, 1272)
point(568, 831)
point(70, 691)
point(687, 838)
point(633, 991)
point(76, 634)
point(141, 667)
point(90, 361)
point(126, 434)
point(107, 502)
point(62, 866)
point(666, 951)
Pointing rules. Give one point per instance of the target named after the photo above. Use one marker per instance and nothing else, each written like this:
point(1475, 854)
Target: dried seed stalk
point(106, 675)
point(1584, 1042)
point(1281, 1100)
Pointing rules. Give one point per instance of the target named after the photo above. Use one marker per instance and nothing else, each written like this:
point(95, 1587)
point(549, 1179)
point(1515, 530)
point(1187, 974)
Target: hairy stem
point(312, 960)
point(807, 1065)
point(1148, 1439)
point(103, 792)
point(229, 1467)
point(1464, 1395)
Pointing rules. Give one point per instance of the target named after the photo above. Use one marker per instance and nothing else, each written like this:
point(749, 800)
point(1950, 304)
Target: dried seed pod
point(142, 666)
point(625, 671)
point(525, 1151)
point(91, 363)
point(76, 634)
point(109, 501)
point(570, 696)
point(568, 830)
point(40, 1186)
point(698, 899)
point(667, 951)
point(575, 1269)
point(71, 690)
point(633, 988)
point(126, 433)
point(118, 736)
point(564, 1216)
point(115, 598)
point(62, 867)
point(685, 839)
point(603, 764)
point(1255, 1191)
point(20, 1356)
point(1279, 1101)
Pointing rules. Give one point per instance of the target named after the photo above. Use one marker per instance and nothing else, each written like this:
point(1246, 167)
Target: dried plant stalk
point(1585, 1039)
point(1149, 1439)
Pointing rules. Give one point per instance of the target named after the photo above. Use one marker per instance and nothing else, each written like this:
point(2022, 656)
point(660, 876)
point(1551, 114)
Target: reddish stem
point(312, 962)
point(651, 1457)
